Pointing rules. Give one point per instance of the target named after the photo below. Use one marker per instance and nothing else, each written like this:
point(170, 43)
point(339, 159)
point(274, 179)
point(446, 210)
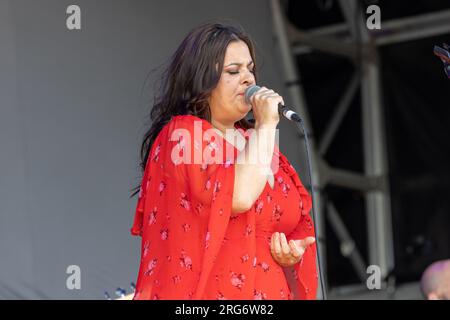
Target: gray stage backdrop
point(71, 123)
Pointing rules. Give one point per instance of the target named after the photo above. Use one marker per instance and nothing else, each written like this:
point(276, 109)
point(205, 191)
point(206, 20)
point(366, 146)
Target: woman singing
point(221, 211)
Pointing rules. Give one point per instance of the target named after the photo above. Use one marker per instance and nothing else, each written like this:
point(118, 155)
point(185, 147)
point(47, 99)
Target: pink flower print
point(203, 167)
point(277, 212)
point(180, 142)
point(176, 279)
point(282, 295)
point(259, 206)
point(145, 251)
point(217, 186)
point(156, 282)
point(140, 192)
point(225, 239)
point(212, 146)
point(152, 216)
point(295, 274)
point(269, 198)
point(264, 266)
point(208, 184)
point(150, 267)
point(248, 230)
point(280, 180)
point(254, 262)
point(309, 223)
point(227, 163)
point(301, 206)
point(186, 227)
point(169, 258)
point(285, 189)
point(220, 212)
point(156, 297)
point(234, 217)
point(164, 234)
point(199, 208)
point(237, 280)
point(161, 187)
point(259, 295)
point(184, 202)
point(220, 296)
point(208, 236)
point(185, 261)
point(156, 154)
point(245, 258)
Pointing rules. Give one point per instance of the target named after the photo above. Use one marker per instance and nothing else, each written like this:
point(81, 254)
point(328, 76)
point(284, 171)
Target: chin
point(244, 109)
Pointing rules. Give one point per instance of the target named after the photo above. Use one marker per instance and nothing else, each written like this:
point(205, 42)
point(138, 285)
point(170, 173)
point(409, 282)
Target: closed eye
point(236, 72)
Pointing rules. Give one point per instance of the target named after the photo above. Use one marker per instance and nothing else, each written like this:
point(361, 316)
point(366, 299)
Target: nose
point(248, 78)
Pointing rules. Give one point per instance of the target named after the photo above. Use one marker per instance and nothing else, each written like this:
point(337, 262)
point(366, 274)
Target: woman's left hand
point(288, 254)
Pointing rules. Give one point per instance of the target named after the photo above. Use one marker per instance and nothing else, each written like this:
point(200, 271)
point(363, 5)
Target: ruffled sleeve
point(183, 209)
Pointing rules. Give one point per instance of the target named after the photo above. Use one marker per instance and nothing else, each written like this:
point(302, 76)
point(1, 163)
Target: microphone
point(285, 111)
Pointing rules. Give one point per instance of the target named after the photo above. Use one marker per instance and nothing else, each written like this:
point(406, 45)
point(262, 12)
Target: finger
point(277, 244)
point(265, 94)
point(253, 96)
point(300, 250)
point(295, 251)
point(310, 240)
point(264, 91)
point(284, 245)
point(272, 244)
point(258, 94)
point(270, 95)
point(261, 90)
point(305, 242)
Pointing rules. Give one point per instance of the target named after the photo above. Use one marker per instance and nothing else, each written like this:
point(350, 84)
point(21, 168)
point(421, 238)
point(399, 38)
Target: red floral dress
point(191, 246)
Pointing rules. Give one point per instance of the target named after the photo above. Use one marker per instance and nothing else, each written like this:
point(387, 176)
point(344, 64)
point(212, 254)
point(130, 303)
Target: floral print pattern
point(191, 246)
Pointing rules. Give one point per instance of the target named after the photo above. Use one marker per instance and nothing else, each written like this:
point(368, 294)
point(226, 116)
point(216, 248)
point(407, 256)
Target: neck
point(221, 126)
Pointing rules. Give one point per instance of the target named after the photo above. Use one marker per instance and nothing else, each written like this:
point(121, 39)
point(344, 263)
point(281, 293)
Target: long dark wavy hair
point(193, 72)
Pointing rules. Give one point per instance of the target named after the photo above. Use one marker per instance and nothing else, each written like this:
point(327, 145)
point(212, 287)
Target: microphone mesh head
point(250, 92)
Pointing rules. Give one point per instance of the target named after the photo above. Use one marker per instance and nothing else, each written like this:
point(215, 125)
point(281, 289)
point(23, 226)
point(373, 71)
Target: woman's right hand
point(265, 107)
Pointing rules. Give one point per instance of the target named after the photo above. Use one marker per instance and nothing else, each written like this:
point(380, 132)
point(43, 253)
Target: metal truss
point(353, 40)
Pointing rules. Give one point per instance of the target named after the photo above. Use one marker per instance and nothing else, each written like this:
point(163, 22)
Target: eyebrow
point(238, 64)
